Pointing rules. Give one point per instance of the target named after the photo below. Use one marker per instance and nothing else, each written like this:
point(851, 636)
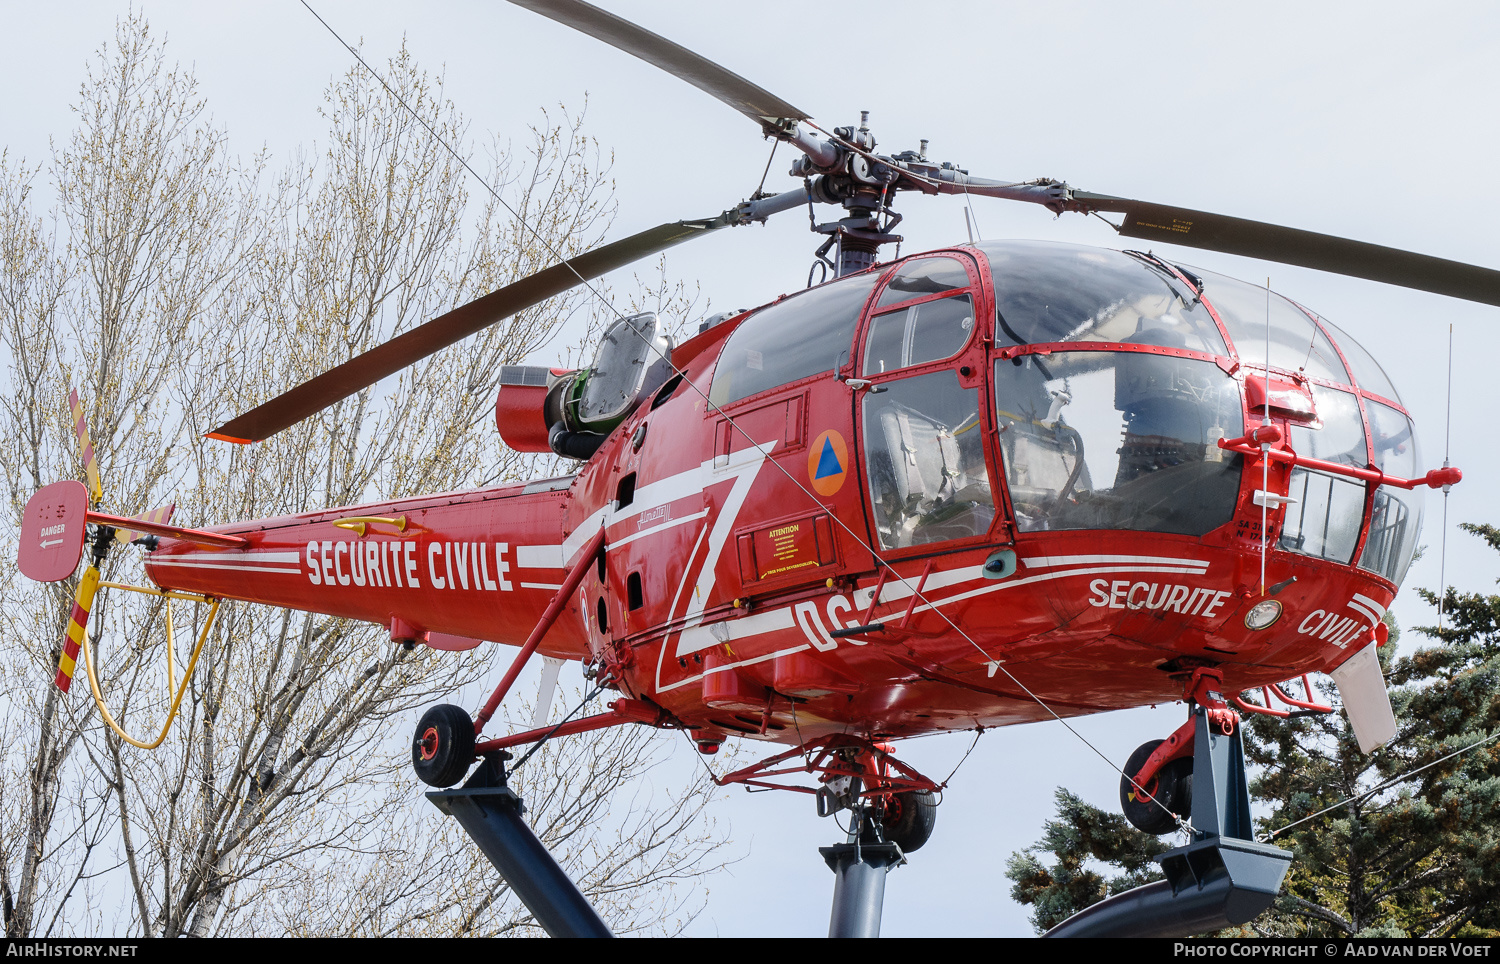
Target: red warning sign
point(52, 532)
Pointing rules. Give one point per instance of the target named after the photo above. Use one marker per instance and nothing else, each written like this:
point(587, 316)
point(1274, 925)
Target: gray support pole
point(859, 886)
point(1221, 793)
point(492, 816)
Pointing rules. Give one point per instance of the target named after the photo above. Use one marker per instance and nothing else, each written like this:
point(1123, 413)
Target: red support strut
point(620, 711)
point(839, 755)
point(1248, 445)
point(549, 616)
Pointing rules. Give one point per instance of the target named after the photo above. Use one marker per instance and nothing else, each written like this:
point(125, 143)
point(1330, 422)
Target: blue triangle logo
point(828, 462)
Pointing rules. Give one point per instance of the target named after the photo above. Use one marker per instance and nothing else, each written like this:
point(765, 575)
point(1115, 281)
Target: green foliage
point(1412, 844)
point(1080, 839)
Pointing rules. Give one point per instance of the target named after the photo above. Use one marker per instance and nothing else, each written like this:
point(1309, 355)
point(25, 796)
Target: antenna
point(1265, 447)
point(1447, 442)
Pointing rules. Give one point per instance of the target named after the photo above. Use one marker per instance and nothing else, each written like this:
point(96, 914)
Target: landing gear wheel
point(909, 819)
point(1172, 790)
point(444, 745)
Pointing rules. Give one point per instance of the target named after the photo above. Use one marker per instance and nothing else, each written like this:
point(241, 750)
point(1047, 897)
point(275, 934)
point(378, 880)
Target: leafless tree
point(174, 285)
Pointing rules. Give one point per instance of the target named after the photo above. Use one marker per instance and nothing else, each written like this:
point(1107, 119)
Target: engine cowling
point(520, 414)
point(572, 412)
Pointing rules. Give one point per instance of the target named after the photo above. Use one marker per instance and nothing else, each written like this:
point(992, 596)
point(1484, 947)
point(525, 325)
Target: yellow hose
point(88, 661)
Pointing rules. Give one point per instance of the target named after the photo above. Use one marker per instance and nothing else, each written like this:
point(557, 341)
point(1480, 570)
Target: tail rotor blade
point(159, 516)
point(86, 444)
point(78, 621)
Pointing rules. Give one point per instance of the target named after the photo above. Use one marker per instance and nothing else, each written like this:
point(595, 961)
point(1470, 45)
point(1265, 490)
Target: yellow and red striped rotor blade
point(159, 516)
point(90, 463)
point(83, 601)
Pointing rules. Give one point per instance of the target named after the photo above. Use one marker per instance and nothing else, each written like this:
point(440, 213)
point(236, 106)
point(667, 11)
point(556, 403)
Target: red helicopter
point(997, 483)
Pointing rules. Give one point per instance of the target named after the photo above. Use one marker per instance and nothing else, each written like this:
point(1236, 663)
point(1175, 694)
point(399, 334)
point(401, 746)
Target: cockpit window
point(1062, 292)
point(924, 452)
point(1342, 437)
point(920, 333)
point(803, 335)
point(1296, 343)
point(1324, 520)
point(925, 276)
point(1396, 518)
point(1118, 440)
point(1371, 377)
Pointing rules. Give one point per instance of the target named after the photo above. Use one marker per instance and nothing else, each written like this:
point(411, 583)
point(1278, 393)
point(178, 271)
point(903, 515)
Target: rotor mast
point(845, 170)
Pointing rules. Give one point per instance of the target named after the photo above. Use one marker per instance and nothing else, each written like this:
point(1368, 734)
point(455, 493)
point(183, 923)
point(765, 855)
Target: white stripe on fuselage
point(1369, 604)
point(1363, 611)
point(1047, 562)
point(894, 591)
point(236, 561)
point(742, 467)
point(657, 528)
point(539, 557)
point(702, 637)
point(235, 567)
point(292, 557)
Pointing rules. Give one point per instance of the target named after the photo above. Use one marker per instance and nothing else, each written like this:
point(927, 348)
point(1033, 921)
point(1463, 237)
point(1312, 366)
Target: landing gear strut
point(884, 829)
point(859, 868)
point(1222, 878)
point(892, 809)
point(885, 826)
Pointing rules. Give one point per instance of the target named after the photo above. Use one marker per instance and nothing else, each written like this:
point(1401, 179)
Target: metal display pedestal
point(490, 812)
point(1221, 879)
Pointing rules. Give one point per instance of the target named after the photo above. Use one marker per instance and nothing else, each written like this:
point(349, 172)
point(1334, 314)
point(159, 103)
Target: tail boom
point(481, 565)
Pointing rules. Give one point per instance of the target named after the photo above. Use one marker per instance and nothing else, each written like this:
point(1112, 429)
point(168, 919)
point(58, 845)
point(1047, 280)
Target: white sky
point(1371, 121)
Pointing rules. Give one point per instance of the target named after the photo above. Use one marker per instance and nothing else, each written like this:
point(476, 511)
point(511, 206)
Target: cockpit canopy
point(1112, 376)
point(1138, 431)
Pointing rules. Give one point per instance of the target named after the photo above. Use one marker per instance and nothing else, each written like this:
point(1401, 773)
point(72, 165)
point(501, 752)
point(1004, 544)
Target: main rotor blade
point(1272, 242)
point(365, 370)
point(758, 104)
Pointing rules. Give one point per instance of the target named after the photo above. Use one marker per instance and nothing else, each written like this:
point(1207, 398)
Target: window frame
point(972, 354)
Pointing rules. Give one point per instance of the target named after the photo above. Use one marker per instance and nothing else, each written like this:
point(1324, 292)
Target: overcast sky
point(1373, 121)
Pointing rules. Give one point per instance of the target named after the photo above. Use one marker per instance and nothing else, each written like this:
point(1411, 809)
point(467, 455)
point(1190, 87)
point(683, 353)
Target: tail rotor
point(55, 529)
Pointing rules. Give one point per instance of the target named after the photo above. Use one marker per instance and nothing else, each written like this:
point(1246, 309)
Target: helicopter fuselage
point(1014, 445)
